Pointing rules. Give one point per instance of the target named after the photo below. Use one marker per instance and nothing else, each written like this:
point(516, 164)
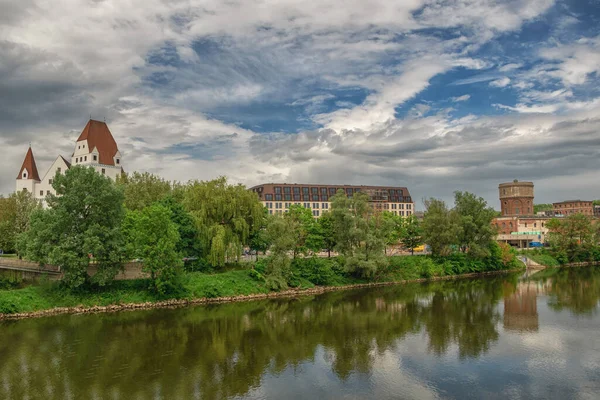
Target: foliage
point(15, 213)
point(82, 221)
point(441, 227)
point(282, 234)
point(573, 238)
point(225, 215)
point(259, 239)
point(394, 227)
point(476, 232)
point(412, 233)
point(152, 236)
point(143, 189)
point(541, 207)
point(325, 222)
point(307, 231)
point(360, 234)
point(186, 227)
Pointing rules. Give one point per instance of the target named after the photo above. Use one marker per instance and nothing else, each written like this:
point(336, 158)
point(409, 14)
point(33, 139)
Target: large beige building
point(278, 197)
point(95, 148)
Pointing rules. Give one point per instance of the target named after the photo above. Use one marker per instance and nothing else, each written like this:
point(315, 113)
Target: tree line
point(92, 219)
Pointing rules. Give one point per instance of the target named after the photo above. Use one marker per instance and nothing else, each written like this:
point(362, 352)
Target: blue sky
point(435, 95)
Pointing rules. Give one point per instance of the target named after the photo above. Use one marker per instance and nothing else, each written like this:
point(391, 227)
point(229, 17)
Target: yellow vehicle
point(419, 249)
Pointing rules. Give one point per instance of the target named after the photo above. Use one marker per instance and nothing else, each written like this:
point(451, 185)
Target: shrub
point(316, 270)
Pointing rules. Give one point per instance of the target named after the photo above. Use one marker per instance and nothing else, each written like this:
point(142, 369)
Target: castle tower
point(28, 174)
point(96, 147)
point(516, 198)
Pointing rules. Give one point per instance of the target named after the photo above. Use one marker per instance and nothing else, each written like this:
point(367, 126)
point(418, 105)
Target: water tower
point(516, 198)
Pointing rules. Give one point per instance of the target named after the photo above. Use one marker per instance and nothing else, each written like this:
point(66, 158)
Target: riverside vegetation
point(572, 239)
point(191, 238)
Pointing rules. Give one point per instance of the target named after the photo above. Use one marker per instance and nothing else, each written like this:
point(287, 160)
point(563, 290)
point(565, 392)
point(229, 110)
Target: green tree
point(308, 236)
point(393, 228)
point(281, 233)
point(476, 231)
point(152, 236)
point(186, 226)
point(15, 212)
point(360, 234)
point(573, 236)
point(541, 207)
point(83, 221)
point(327, 232)
point(441, 227)
point(259, 238)
point(143, 189)
point(226, 216)
point(412, 233)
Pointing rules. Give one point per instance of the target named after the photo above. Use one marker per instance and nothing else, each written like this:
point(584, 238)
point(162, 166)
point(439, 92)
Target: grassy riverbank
point(306, 274)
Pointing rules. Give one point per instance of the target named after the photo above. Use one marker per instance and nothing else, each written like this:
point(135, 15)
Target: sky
point(434, 95)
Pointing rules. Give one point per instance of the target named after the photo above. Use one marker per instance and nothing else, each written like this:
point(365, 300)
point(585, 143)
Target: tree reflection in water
point(223, 351)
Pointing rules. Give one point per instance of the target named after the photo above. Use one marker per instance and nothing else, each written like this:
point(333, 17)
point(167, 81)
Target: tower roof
point(99, 137)
point(29, 165)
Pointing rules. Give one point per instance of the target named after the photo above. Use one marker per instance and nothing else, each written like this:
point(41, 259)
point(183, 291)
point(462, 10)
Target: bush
point(315, 270)
point(257, 276)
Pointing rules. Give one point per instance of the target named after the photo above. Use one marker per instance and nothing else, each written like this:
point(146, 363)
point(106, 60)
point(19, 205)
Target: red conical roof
point(98, 136)
point(29, 165)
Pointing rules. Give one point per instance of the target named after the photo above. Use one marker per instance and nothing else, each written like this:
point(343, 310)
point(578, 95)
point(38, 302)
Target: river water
point(505, 337)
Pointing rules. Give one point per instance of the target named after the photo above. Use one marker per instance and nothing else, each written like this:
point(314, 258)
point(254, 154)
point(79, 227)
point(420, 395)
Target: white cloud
point(464, 97)
point(500, 83)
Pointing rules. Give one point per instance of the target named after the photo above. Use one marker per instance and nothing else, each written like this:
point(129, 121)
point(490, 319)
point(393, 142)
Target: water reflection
point(361, 341)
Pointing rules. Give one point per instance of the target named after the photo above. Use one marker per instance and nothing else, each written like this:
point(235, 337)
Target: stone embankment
point(260, 296)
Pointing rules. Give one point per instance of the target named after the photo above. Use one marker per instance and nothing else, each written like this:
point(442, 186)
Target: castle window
point(76, 160)
point(24, 175)
point(25, 190)
point(95, 158)
point(47, 193)
point(58, 170)
point(118, 161)
point(50, 181)
point(103, 171)
point(41, 192)
point(85, 158)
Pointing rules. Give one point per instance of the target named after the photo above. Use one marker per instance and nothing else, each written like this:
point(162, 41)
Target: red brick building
point(516, 198)
point(570, 207)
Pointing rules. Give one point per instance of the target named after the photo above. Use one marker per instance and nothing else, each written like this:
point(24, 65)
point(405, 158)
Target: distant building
point(597, 211)
point(518, 225)
point(278, 197)
point(570, 207)
point(516, 198)
point(95, 148)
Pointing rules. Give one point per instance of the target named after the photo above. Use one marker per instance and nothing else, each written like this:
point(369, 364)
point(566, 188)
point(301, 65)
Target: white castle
point(95, 148)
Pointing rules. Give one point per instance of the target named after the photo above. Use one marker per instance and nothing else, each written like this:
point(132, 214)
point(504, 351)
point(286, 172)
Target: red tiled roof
point(99, 137)
point(66, 162)
point(29, 164)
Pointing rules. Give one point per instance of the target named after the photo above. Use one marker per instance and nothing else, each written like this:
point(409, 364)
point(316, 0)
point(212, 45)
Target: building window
point(76, 160)
point(277, 190)
point(85, 158)
point(118, 161)
point(270, 212)
point(58, 170)
point(315, 205)
point(103, 171)
point(331, 191)
point(287, 190)
point(24, 175)
point(269, 197)
point(314, 190)
point(315, 197)
point(305, 190)
point(79, 147)
point(278, 197)
point(535, 225)
point(47, 192)
point(41, 192)
point(525, 224)
point(95, 158)
point(296, 197)
point(287, 197)
point(296, 190)
point(50, 181)
point(25, 190)
point(306, 205)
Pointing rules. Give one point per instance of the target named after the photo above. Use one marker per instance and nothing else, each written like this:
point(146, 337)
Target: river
point(503, 337)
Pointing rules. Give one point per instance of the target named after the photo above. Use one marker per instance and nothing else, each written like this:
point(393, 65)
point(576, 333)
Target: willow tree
point(143, 189)
point(226, 216)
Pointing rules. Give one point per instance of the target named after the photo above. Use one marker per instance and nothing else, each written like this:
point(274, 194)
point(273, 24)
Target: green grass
point(543, 259)
point(8, 255)
point(306, 273)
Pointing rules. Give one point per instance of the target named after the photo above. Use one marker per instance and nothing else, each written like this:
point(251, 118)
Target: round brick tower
point(516, 198)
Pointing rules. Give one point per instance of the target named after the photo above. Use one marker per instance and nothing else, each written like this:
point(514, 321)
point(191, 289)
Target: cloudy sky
point(435, 95)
